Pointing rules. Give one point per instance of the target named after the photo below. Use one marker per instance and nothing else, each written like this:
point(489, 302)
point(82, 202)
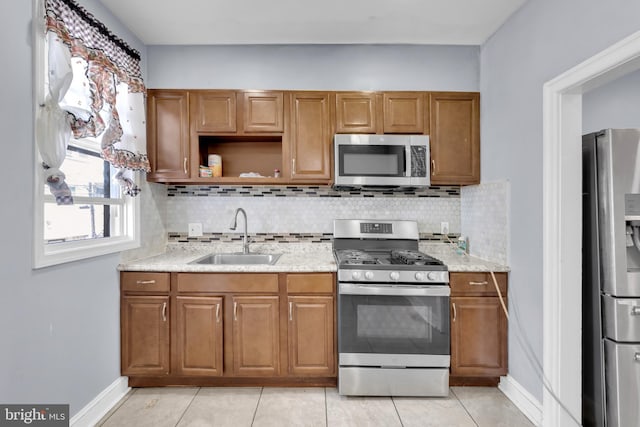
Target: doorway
point(562, 189)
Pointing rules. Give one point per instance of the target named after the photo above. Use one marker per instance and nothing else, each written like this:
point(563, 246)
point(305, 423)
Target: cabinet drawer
point(240, 282)
point(477, 283)
point(321, 283)
point(144, 282)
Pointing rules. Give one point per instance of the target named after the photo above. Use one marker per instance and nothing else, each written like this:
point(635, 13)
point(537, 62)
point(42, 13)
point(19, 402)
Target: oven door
point(393, 325)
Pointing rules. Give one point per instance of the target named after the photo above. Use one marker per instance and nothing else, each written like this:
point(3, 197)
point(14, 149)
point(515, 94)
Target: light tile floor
point(264, 407)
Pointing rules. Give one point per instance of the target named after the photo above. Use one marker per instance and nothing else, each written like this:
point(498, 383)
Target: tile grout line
point(326, 412)
point(464, 407)
point(188, 406)
point(393, 401)
point(255, 411)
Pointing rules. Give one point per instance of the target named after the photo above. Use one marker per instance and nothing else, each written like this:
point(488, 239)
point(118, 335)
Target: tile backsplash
point(308, 214)
point(479, 212)
point(485, 220)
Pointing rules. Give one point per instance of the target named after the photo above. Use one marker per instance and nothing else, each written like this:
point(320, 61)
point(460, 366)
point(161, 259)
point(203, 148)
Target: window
point(102, 219)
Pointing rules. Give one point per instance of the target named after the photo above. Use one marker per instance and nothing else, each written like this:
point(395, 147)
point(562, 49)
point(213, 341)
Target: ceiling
point(211, 22)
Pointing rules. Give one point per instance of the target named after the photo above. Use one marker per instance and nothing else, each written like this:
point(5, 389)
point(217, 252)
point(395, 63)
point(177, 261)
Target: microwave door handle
point(407, 158)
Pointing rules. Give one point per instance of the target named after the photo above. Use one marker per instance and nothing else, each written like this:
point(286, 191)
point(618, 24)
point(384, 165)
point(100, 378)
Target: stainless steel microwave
point(381, 160)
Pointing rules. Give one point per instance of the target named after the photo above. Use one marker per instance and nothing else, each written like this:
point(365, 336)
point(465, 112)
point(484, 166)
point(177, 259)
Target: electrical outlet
point(444, 227)
point(195, 229)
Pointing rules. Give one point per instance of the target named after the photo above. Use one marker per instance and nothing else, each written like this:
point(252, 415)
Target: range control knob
point(432, 275)
point(368, 275)
point(356, 275)
point(420, 276)
point(394, 275)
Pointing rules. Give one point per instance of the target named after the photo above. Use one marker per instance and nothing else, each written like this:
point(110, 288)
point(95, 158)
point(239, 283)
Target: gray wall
point(540, 41)
point(614, 105)
point(60, 325)
point(326, 67)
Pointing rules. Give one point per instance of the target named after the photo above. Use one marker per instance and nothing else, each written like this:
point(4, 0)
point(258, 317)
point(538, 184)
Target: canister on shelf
point(215, 164)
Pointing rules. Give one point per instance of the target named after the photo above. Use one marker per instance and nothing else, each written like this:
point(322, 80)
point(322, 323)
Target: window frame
point(45, 255)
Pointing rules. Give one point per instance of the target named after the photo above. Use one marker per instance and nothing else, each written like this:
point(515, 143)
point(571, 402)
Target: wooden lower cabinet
point(145, 335)
point(208, 329)
point(256, 336)
point(478, 327)
point(197, 336)
point(311, 335)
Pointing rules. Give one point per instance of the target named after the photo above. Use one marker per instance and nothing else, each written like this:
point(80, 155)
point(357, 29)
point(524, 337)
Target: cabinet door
point(478, 337)
point(213, 111)
point(144, 322)
point(311, 141)
point(455, 138)
point(404, 112)
point(256, 336)
point(356, 112)
point(198, 335)
point(311, 336)
point(168, 134)
point(263, 111)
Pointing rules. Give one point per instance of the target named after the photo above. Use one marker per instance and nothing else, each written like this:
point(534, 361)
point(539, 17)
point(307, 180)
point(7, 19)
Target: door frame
point(562, 233)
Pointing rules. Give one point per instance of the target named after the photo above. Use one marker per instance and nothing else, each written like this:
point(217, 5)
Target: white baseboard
point(524, 401)
point(101, 404)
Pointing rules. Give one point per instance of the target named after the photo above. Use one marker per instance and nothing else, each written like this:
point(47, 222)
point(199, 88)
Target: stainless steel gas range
point(393, 311)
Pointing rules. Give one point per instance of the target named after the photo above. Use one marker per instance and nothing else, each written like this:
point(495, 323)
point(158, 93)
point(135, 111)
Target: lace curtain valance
point(95, 89)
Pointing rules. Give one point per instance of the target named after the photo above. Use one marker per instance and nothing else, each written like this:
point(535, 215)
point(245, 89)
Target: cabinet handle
point(433, 167)
point(217, 313)
point(635, 310)
point(479, 283)
point(290, 311)
point(184, 165)
point(293, 167)
point(235, 311)
point(164, 311)
point(454, 312)
point(145, 282)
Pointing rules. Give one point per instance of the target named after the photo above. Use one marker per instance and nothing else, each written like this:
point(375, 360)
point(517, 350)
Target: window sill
point(75, 251)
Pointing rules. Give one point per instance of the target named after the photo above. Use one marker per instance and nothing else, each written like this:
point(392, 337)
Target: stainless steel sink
point(238, 259)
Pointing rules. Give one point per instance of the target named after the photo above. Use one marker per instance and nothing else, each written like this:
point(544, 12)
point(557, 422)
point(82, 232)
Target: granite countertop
point(296, 257)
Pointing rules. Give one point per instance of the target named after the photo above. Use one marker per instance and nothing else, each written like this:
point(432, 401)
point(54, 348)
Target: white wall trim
point(101, 404)
point(524, 401)
point(562, 204)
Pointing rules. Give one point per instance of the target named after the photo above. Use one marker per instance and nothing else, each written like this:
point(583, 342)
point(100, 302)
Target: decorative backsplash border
point(177, 237)
point(452, 191)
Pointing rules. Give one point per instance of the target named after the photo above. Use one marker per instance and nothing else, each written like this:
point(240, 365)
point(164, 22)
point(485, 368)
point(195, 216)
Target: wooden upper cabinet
point(213, 111)
point(310, 142)
point(168, 134)
point(197, 336)
point(144, 335)
point(455, 138)
point(256, 336)
point(356, 112)
point(263, 111)
point(404, 112)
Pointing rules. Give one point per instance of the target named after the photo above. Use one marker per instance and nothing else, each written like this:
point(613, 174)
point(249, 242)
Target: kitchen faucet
point(234, 223)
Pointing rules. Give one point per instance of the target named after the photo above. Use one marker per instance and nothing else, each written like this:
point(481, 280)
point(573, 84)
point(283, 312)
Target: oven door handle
point(395, 290)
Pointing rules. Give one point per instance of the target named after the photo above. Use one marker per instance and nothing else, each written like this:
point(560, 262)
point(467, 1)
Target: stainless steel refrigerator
point(611, 278)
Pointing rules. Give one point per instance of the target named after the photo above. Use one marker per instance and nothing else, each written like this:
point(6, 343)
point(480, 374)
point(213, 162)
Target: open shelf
point(241, 154)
